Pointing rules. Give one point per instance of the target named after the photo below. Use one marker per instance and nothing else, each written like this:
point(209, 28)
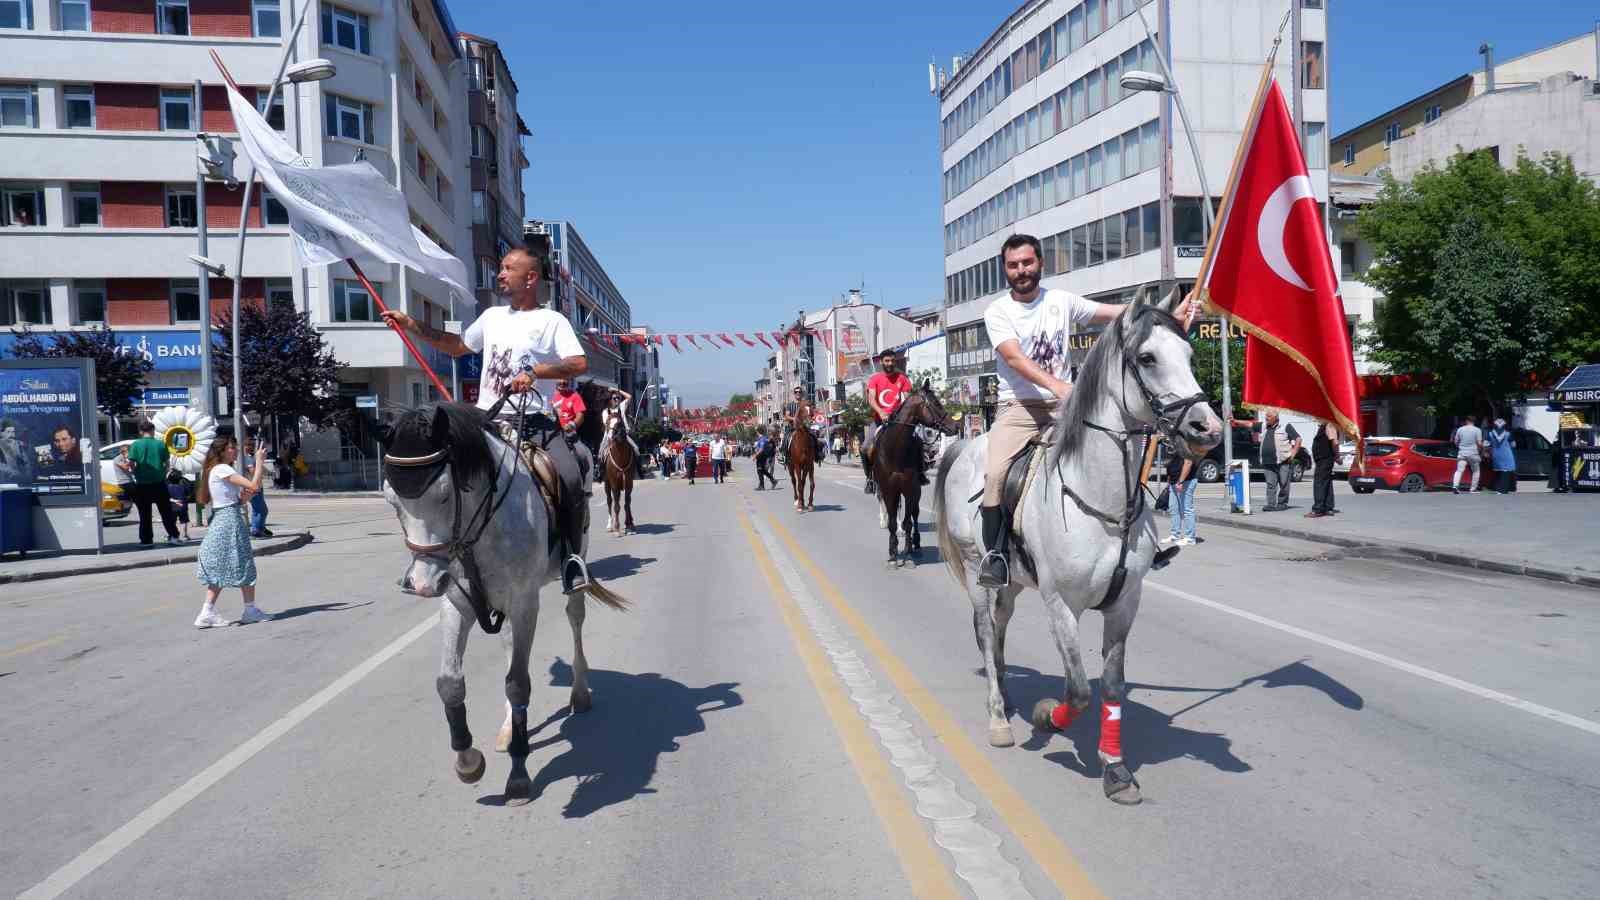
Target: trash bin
point(1239, 486)
point(16, 520)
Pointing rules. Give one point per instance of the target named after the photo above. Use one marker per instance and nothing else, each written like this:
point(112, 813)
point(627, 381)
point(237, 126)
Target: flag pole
point(415, 353)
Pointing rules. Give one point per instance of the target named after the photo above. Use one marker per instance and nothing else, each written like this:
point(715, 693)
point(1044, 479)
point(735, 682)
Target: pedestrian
point(719, 458)
point(663, 462)
point(225, 556)
point(1469, 454)
point(148, 461)
point(1278, 450)
point(1503, 457)
point(258, 498)
point(178, 495)
point(1324, 449)
point(1183, 479)
point(688, 461)
point(763, 459)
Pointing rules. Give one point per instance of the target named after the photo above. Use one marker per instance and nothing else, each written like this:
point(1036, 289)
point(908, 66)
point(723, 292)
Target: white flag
point(339, 212)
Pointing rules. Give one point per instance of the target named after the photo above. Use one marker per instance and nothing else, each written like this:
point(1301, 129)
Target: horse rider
point(616, 402)
point(790, 410)
point(540, 347)
point(886, 390)
point(1030, 329)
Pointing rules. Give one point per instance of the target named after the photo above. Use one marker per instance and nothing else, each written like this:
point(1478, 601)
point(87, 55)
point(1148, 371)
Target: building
point(1038, 136)
point(648, 389)
point(830, 352)
point(496, 159)
point(100, 123)
point(1365, 149)
point(581, 289)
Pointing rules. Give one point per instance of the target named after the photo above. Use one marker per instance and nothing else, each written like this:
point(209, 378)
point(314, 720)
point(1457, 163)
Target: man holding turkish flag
point(1269, 268)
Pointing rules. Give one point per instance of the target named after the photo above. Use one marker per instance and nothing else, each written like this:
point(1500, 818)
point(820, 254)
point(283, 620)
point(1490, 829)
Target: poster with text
point(41, 413)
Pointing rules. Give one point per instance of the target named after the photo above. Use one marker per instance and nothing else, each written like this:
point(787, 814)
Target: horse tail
point(606, 596)
point(947, 545)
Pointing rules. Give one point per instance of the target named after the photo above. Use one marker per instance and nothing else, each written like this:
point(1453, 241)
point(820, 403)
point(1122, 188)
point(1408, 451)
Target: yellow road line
point(1047, 850)
point(922, 863)
point(36, 645)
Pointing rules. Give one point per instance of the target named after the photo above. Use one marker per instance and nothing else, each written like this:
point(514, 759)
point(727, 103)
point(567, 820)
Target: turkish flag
point(1272, 272)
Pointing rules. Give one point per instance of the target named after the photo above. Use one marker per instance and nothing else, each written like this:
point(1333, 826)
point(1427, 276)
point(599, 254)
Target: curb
point(1504, 567)
point(293, 543)
point(334, 494)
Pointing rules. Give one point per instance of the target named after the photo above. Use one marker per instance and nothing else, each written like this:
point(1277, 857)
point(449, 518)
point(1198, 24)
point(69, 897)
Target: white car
point(1346, 458)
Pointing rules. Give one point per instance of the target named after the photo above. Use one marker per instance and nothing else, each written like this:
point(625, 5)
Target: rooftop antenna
point(933, 78)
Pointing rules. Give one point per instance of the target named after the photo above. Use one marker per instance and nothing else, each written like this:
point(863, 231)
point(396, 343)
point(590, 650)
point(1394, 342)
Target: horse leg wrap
point(1111, 731)
point(1061, 717)
point(460, 736)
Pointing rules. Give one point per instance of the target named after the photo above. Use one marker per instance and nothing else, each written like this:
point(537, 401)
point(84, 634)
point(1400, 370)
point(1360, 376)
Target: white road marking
point(64, 878)
point(1527, 706)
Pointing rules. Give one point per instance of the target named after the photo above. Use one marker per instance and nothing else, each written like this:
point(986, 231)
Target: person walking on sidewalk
point(258, 499)
point(1503, 457)
point(148, 461)
point(225, 556)
point(719, 458)
point(1183, 480)
point(1324, 447)
point(1469, 453)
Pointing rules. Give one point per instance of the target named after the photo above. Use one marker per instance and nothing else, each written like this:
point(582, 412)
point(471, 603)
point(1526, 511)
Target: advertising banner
point(41, 417)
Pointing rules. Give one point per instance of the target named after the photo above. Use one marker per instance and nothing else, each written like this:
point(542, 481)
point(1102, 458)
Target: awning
point(1582, 385)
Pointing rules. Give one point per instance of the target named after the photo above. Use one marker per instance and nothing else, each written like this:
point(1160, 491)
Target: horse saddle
point(1020, 473)
point(539, 463)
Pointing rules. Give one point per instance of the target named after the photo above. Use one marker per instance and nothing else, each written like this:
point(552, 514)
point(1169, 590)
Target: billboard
point(42, 441)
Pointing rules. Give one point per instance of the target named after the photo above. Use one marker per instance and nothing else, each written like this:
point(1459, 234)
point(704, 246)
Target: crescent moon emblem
point(1269, 231)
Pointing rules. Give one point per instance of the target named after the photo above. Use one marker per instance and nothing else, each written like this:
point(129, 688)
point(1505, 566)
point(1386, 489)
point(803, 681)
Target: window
point(275, 116)
point(180, 208)
point(1311, 4)
point(1316, 145)
point(1035, 195)
point(1350, 154)
point(1113, 79)
point(19, 106)
point(273, 212)
point(1311, 65)
point(480, 141)
point(351, 302)
point(1188, 224)
point(1431, 113)
point(1113, 154)
point(1075, 29)
point(1095, 84)
point(268, 19)
point(343, 28)
point(480, 212)
point(1150, 146)
point(1033, 126)
point(1150, 226)
point(177, 109)
point(1080, 247)
point(1092, 15)
point(16, 13)
point(185, 300)
point(1049, 187)
point(1047, 54)
point(1391, 134)
point(78, 100)
point(172, 16)
point(1131, 233)
point(1097, 242)
point(74, 15)
point(348, 118)
point(1078, 94)
point(1097, 169)
point(88, 302)
point(24, 303)
point(85, 205)
point(1347, 259)
point(1080, 181)
point(1112, 226)
point(486, 273)
point(23, 206)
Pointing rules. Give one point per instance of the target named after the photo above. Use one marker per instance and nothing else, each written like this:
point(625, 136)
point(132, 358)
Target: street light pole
point(208, 389)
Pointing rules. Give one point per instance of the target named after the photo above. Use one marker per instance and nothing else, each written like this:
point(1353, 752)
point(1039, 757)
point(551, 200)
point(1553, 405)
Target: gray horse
point(1088, 539)
point(479, 533)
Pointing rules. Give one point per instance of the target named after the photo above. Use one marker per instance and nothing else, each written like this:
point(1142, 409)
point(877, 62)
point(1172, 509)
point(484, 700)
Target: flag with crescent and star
point(1269, 268)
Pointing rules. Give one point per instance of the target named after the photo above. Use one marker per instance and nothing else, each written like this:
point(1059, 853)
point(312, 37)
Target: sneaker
point(209, 618)
point(267, 532)
point(253, 614)
point(173, 542)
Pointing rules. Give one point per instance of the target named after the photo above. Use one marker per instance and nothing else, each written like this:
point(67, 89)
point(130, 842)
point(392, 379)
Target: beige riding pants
point(1016, 423)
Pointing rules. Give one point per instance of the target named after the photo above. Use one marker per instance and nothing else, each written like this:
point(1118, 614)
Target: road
point(781, 716)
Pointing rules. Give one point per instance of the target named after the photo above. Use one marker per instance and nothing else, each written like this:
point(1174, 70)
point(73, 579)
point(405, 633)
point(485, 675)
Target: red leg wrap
point(1061, 716)
point(1111, 729)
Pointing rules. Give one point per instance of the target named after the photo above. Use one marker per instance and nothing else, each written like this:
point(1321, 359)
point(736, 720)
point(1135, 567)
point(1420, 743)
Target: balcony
point(80, 154)
point(364, 345)
point(134, 58)
point(136, 252)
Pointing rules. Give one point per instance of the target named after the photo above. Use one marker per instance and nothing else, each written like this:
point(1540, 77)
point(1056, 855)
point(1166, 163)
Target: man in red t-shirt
point(569, 406)
point(886, 390)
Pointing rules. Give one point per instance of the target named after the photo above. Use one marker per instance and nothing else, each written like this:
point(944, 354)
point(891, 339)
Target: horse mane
point(468, 438)
point(1094, 374)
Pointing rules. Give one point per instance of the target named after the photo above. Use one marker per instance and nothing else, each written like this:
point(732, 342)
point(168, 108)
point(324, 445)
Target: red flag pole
point(415, 353)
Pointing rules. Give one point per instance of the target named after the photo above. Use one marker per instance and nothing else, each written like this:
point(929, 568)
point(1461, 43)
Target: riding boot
point(994, 571)
point(866, 468)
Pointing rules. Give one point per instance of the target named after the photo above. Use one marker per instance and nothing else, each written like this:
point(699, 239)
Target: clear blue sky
point(733, 163)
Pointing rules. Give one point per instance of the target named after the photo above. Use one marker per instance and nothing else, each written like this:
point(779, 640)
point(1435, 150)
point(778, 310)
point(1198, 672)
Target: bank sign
point(170, 351)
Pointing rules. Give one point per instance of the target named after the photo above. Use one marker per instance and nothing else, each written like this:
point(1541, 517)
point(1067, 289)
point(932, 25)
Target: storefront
point(1577, 452)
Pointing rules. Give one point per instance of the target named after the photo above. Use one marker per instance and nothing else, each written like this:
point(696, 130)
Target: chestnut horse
point(620, 463)
point(897, 461)
point(803, 455)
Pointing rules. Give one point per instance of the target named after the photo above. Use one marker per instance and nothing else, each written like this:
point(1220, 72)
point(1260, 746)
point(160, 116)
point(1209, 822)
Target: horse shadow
point(619, 565)
point(654, 528)
point(613, 751)
point(827, 507)
point(299, 611)
point(1156, 735)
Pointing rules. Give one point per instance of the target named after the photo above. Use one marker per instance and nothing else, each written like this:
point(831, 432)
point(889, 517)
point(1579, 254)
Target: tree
point(855, 415)
point(1536, 228)
point(119, 374)
point(947, 390)
point(287, 368)
point(739, 401)
point(648, 435)
point(1208, 368)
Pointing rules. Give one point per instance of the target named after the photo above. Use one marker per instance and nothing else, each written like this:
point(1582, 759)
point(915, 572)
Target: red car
point(1405, 464)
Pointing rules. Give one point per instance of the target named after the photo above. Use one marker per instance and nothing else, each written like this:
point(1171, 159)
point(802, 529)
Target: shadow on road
point(615, 747)
point(299, 611)
point(619, 565)
point(654, 528)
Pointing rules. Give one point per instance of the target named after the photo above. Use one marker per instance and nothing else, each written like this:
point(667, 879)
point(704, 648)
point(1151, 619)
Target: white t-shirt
point(511, 339)
point(223, 491)
point(1468, 437)
point(719, 450)
point(1043, 328)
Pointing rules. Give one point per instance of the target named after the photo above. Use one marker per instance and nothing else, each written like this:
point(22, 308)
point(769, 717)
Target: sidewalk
point(1532, 532)
point(122, 551)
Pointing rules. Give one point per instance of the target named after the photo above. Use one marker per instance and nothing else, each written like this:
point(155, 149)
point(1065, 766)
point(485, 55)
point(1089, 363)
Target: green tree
point(648, 435)
point(738, 401)
point(1536, 227)
point(946, 389)
point(1207, 363)
point(119, 375)
point(287, 368)
point(855, 415)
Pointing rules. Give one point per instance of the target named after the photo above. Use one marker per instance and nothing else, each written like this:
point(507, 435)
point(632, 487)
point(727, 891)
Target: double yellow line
point(925, 867)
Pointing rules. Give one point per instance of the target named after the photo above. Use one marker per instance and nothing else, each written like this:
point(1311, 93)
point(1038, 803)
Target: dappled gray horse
point(478, 529)
point(1087, 533)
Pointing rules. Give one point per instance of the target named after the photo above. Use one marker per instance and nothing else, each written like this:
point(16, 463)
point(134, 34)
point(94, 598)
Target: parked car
point(1532, 451)
point(1406, 465)
point(1346, 460)
point(1247, 445)
point(114, 503)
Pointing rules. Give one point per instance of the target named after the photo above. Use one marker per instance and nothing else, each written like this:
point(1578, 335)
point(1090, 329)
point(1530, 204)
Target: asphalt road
point(781, 716)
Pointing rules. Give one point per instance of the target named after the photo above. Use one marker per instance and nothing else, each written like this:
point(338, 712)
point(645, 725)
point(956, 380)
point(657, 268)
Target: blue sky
point(732, 163)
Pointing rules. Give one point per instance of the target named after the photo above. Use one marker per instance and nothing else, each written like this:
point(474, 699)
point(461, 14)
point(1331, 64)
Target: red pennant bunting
point(673, 340)
point(777, 337)
point(727, 340)
point(711, 340)
point(747, 341)
point(762, 337)
point(691, 340)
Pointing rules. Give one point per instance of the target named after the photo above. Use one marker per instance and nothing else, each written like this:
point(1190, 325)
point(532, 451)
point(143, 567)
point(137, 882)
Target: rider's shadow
point(613, 749)
point(619, 565)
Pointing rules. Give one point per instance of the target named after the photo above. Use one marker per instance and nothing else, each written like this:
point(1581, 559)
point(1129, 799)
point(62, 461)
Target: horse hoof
point(470, 765)
point(1000, 736)
point(1042, 711)
point(581, 703)
point(502, 741)
point(1121, 786)
point(519, 790)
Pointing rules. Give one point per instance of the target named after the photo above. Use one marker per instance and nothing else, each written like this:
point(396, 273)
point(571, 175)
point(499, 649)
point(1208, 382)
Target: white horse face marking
point(1165, 364)
point(428, 575)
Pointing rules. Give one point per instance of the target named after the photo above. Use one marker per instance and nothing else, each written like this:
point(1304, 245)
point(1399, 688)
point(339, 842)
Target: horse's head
point(430, 457)
point(1158, 383)
point(928, 409)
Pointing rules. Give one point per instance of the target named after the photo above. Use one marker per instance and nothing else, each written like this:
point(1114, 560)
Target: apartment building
point(100, 125)
point(586, 294)
point(497, 160)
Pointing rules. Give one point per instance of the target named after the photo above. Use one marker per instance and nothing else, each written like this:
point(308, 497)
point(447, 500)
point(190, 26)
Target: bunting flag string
point(703, 340)
point(673, 340)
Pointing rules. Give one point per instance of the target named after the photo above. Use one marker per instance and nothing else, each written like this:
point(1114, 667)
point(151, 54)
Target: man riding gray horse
point(540, 348)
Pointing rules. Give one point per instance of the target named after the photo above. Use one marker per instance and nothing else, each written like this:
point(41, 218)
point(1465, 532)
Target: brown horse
point(619, 462)
point(803, 455)
point(897, 462)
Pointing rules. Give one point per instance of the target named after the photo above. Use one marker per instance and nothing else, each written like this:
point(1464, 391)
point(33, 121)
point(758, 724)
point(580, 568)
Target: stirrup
point(988, 581)
point(570, 584)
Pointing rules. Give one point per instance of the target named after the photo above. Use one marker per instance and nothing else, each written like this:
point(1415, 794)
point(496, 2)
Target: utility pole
point(208, 387)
